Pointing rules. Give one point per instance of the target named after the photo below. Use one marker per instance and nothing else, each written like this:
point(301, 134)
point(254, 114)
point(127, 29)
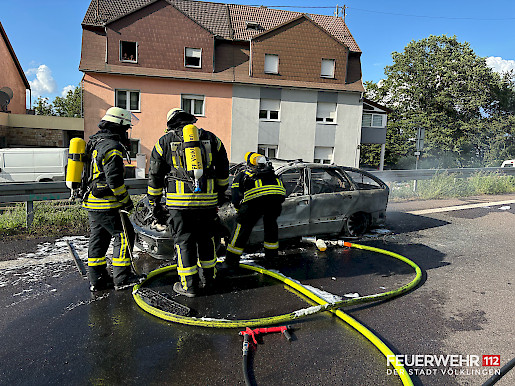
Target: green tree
point(68, 106)
point(42, 107)
point(440, 84)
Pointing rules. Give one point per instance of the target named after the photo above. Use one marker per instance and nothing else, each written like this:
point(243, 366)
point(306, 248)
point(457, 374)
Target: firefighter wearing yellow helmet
point(105, 195)
point(189, 166)
point(257, 193)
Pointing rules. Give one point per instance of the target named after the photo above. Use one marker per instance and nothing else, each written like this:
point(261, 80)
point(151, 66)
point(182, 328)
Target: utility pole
point(341, 10)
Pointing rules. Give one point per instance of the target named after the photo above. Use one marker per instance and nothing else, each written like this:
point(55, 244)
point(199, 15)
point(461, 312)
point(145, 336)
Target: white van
point(508, 163)
point(33, 164)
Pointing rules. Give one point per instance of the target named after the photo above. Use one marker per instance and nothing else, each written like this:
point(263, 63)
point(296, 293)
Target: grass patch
point(51, 218)
point(447, 185)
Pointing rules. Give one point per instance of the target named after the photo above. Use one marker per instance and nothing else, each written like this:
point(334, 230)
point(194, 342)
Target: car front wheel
point(356, 224)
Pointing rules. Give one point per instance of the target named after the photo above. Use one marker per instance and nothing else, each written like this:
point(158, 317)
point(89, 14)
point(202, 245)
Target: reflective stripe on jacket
point(167, 171)
point(107, 190)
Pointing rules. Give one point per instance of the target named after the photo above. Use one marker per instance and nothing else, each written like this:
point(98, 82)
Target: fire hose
point(323, 305)
point(253, 333)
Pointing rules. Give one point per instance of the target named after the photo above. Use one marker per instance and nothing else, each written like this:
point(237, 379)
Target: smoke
point(44, 83)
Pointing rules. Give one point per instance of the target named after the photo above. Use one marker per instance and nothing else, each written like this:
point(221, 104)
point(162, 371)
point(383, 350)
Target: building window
point(268, 151)
point(128, 52)
point(134, 148)
point(271, 64)
point(372, 120)
point(327, 68)
point(193, 104)
point(326, 112)
point(127, 99)
point(193, 57)
point(269, 109)
point(323, 155)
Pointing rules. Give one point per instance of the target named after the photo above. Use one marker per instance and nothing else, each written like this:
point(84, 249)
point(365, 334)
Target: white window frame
point(194, 53)
point(127, 99)
point(320, 155)
point(324, 112)
point(269, 106)
point(191, 98)
point(271, 64)
point(327, 68)
point(267, 150)
point(372, 116)
point(121, 51)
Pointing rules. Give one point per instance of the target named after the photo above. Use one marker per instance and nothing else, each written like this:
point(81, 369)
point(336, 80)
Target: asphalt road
point(54, 332)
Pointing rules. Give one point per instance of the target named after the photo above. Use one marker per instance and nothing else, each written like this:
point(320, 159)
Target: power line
point(389, 13)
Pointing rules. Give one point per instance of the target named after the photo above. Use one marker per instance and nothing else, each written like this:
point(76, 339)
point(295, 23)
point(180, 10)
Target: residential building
point(373, 126)
point(282, 83)
point(18, 128)
point(13, 81)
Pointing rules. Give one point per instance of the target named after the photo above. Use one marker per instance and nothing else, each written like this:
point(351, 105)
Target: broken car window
point(327, 181)
point(293, 182)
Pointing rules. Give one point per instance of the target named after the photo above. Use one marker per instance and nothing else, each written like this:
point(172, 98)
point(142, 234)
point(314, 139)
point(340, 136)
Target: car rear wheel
point(356, 224)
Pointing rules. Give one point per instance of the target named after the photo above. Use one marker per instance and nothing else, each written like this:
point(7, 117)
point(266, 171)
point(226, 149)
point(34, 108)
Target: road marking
point(460, 207)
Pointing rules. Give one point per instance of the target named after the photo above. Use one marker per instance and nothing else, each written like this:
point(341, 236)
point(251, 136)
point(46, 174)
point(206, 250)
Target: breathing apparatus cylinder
point(75, 163)
point(193, 154)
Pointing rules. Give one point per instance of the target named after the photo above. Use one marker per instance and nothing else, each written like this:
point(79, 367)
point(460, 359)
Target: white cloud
point(66, 89)
point(44, 82)
point(499, 64)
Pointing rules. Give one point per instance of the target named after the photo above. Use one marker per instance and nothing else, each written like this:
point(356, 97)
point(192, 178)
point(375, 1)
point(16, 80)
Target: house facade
point(12, 78)
point(282, 83)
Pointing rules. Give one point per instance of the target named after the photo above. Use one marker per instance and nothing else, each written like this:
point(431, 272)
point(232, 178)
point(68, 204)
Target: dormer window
point(271, 64)
point(253, 25)
point(193, 57)
point(128, 52)
point(327, 68)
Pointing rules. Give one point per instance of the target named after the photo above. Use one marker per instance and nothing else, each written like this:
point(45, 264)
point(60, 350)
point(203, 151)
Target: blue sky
point(46, 35)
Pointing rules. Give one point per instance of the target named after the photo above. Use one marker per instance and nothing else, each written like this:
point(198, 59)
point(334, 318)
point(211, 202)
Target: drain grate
point(163, 302)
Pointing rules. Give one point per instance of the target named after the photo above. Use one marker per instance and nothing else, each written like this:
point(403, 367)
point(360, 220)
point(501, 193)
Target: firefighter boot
point(188, 286)
point(99, 278)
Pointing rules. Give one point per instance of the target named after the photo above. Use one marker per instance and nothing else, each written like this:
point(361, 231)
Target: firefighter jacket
point(167, 170)
point(253, 183)
point(106, 189)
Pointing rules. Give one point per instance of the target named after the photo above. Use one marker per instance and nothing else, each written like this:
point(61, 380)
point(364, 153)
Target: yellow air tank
point(192, 153)
point(75, 163)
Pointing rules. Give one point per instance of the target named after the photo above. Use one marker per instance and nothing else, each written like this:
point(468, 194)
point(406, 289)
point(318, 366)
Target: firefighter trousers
point(193, 231)
point(248, 215)
point(104, 226)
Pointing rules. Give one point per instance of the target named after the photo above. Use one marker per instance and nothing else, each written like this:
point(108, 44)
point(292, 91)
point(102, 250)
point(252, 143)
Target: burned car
point(322, 200)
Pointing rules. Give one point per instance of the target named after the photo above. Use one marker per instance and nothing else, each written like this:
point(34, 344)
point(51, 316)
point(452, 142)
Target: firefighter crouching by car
point(194, 188)
point(105, 195)
point(256, 192)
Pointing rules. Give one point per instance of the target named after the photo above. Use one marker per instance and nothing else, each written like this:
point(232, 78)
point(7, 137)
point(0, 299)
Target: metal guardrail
point(44, 191)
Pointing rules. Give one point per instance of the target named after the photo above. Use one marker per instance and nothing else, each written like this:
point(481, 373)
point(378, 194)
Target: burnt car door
point(332, 197)
point(294, 219)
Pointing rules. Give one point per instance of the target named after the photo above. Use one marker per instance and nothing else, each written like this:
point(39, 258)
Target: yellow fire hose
point(323, 305)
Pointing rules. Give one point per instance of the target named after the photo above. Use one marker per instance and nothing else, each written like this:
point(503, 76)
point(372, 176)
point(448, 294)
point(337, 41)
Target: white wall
point(348, 133)
point(297, 133)
point(245, 121)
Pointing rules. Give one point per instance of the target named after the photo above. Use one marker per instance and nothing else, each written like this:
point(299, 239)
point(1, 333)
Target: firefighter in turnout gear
point(256, 192)
point(192, 166)
point(104, 197)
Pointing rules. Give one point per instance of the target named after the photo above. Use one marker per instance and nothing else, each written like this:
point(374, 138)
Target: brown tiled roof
point(269, 18)
point(226, 20)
